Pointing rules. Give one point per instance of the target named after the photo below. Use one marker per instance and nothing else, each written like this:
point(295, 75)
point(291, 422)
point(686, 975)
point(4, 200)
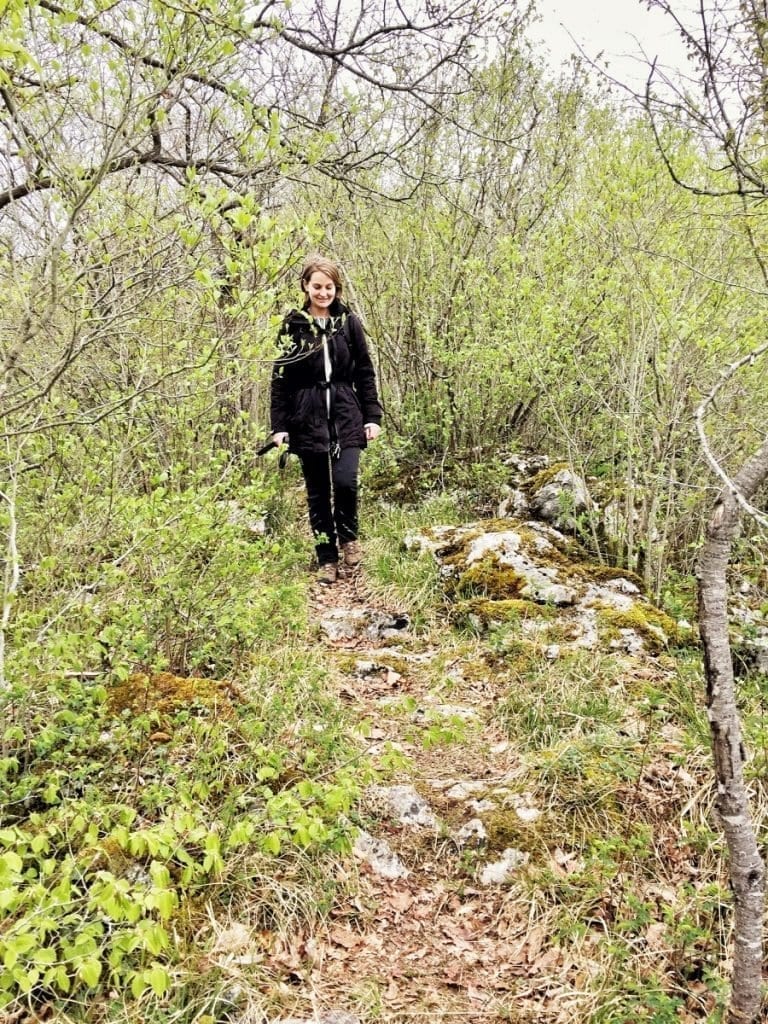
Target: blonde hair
point(315, 263)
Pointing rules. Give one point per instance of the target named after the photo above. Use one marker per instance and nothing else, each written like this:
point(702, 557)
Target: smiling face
point(321, 292)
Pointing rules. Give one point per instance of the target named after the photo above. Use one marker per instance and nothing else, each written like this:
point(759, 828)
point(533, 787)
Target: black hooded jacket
point(299, 393)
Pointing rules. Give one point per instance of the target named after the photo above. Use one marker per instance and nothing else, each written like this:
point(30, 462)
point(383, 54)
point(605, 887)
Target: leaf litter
point(436, 945)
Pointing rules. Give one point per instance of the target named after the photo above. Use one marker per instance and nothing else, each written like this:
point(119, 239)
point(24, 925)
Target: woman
point(325, 406)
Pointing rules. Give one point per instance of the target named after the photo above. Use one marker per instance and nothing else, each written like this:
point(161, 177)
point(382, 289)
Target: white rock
point(502, 870)
point(378, 854)
point(454, 711)
point(527, 813)
point(481, 806)
point(348, 623)
point(564, 496)
point(343, 623)
point(405, 805)
point(514, 505)
point(473, 832)
point(463, 790)
point(504, 545)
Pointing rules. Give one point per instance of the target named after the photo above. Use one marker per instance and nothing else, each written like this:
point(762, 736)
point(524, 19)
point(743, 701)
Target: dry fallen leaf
point(344, 937)
point(401, 901)
point(655, 935)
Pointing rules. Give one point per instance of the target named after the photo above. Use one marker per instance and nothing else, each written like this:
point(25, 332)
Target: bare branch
point(732, 485)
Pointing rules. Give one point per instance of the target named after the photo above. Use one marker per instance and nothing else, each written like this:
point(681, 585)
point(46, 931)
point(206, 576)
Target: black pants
point(332, 500)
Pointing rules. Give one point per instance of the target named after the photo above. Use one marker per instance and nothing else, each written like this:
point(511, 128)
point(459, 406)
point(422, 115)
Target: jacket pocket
point(302, 407)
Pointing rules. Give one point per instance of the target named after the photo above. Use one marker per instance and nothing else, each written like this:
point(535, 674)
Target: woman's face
point(321, 291)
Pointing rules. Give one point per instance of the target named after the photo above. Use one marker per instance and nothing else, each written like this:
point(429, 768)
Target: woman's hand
point(372, 431)
point(280, 438)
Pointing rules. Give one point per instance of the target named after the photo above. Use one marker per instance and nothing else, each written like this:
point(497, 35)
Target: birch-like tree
point(723, 103)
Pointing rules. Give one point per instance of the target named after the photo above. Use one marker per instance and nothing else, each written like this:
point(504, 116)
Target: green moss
point(166, 693)
point(584, 784)
point(482, 611)
point(488, 578)
point(653, 625)
point(596, 572)
point(506, 829)
point(562, 552)
point(455, 553)
point(347, 664)
point(544, 477)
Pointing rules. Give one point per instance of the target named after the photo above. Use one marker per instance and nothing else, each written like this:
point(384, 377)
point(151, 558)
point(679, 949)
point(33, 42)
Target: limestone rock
point(473, 832)
point(379, 856)
point(562, 499)
point(404, 804)
point(503, 870)
point(349, 623)
point(502, 574)
point(465, 790)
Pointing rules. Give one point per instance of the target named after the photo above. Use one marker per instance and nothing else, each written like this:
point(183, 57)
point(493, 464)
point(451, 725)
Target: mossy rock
point(454, 552)
point(480, 611)
point(165, 694)
point(544, 476)
point(507, 830)
point(488, 578)
point(599, 573)
point(655, 627)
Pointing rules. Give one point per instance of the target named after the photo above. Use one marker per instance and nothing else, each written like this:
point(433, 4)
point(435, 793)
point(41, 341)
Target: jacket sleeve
point(280, 399)
point(364, 374)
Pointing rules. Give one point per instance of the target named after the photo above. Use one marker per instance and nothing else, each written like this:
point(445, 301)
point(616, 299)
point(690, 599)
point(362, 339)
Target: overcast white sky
point(620, 28)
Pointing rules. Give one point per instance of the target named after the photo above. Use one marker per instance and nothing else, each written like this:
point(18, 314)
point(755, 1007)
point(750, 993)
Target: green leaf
point(45, 955)
point(166, 901)
point(62, 979)
point(139, 984)
point(271, 843)
point(159, 979)
point(8, 898)
point(89, 971)
point(10, 861)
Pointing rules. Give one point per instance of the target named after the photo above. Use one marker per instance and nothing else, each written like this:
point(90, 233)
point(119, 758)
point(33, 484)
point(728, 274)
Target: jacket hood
point(298, 321)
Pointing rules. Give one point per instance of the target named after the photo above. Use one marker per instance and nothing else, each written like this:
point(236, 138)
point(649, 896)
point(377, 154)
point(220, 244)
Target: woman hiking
point(325, 407)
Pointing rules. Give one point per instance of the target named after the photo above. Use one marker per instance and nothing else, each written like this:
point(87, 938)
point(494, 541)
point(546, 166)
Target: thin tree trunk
point(746, 865)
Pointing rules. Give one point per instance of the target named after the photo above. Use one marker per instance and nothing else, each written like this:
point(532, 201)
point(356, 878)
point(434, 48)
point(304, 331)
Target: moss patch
point(544, 477)
point(654, 626)
point(507, 830)
point(481, 611)
point(165, 693)
point(487, 578)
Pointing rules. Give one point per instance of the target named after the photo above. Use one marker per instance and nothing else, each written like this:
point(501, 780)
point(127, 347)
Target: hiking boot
point(352, 553)
point(328, 573)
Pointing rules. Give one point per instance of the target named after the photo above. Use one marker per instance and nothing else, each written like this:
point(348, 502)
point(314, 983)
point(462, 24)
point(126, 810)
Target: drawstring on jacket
point(334, 448)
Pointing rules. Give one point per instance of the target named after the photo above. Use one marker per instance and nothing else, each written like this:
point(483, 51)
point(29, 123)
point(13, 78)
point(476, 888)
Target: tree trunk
point(746, 865)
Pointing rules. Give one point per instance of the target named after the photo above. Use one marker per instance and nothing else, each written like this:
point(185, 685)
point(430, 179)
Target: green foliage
point(177, 579)
point(131, 792)
point(111, 827)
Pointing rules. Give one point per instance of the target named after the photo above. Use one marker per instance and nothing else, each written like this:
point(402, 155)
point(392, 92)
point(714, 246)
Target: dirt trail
point(437, 943)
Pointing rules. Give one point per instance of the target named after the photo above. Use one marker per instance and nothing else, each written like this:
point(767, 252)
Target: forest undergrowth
point(186, 761)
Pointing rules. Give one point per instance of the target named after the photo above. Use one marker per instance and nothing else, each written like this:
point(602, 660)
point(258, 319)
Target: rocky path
point(432, 927)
